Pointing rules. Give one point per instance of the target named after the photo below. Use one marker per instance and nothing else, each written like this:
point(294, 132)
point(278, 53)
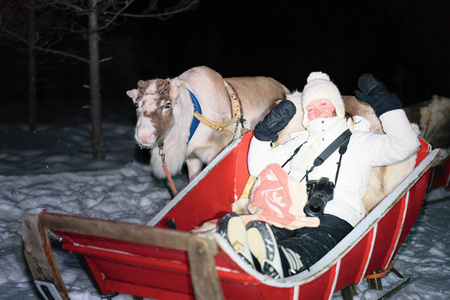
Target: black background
point(404, 43)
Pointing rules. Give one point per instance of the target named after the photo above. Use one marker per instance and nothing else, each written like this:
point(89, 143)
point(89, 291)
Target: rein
point(163, 159)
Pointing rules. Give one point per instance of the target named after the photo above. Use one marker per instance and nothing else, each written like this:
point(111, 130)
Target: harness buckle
point(161, 153)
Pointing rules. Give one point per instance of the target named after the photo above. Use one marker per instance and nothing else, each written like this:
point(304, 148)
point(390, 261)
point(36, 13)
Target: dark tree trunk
point(32, 118)
point(94, 71)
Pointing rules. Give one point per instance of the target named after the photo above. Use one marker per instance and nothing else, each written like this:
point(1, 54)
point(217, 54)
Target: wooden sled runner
point(162, 263)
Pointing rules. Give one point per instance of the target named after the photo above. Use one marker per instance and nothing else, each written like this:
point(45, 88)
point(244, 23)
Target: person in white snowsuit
point(279, 252)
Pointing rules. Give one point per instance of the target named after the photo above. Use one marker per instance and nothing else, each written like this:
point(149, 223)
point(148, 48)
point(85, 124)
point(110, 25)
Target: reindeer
point(193, 117)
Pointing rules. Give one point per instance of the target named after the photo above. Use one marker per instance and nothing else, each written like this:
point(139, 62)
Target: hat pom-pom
point(317, 75)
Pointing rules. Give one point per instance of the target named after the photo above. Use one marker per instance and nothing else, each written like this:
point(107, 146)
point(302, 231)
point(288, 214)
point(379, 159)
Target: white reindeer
point(165, 110)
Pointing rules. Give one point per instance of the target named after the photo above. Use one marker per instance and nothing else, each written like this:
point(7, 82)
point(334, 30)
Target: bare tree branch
point(47, 50)
point(84, 19)
point(182, 6)
point(117, 14)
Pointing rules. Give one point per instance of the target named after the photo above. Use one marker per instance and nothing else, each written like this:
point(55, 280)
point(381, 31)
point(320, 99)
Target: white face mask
point(322, 124)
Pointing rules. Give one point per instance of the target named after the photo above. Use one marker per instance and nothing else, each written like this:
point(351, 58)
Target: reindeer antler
point(165, 87)
point(143, 85)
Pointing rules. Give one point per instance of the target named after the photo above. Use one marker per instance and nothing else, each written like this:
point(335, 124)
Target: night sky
point(404, 43)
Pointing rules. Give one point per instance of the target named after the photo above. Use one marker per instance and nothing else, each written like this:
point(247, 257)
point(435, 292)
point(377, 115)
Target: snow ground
point(52, 169)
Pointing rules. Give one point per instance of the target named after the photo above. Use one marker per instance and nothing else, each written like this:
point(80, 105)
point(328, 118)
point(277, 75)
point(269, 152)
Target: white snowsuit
point(365, 150)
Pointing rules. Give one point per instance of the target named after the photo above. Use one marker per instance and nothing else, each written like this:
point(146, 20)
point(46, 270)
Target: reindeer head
point(154, 109)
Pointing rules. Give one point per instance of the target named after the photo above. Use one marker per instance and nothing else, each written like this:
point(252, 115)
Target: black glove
point(275, 121)
point(375, 93)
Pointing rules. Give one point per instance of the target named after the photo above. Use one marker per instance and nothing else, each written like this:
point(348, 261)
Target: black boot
point(232, 228)
point(276, 261)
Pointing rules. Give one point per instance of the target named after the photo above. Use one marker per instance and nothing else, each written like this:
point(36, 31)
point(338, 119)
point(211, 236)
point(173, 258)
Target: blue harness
point(195, 121)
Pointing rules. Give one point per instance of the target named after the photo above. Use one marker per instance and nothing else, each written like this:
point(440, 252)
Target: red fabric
point(279, 200)
point(273, 196)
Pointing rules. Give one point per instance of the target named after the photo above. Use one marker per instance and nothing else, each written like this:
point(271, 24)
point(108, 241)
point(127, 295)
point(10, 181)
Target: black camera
point(319, 193)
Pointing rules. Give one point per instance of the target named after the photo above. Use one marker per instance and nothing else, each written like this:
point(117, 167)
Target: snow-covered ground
point(52, 169)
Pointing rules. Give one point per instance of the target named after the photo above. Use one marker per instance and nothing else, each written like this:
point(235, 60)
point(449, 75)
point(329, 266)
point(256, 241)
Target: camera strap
point(293, 154)
point(340, 142)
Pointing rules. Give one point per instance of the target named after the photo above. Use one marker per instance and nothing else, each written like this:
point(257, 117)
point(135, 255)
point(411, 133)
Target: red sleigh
point(161, 263)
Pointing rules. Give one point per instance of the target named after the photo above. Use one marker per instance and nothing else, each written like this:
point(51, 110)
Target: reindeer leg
point(194, 167)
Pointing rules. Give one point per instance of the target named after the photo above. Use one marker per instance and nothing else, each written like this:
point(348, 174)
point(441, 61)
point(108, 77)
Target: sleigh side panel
point(211, 194)
point(413, 203)
point(133, 258)
point(416, 197)
point(163, 273)
point(361, 253)
point(322, 287)
point(398, 220)
point(388, 230)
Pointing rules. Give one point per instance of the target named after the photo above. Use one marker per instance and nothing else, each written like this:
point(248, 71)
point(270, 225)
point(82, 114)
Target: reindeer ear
point(133, 94)
point(174, 89)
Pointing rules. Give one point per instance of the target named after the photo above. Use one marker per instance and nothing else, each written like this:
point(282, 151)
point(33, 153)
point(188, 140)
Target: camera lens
point(313, 210)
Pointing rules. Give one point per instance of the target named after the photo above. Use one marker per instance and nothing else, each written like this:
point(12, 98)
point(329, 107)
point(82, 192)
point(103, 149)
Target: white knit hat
point(319, 86)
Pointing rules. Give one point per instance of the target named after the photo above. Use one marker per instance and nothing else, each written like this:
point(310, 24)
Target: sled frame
point(327, 271)
point(37, 248)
